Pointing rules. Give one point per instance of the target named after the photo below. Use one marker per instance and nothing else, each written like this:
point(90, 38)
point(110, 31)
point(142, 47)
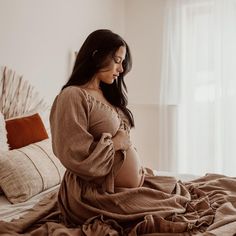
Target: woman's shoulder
point(72, 96)
point(73, 90)
point(73, 93)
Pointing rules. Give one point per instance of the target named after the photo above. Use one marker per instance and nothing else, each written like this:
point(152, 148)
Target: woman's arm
point(72, 142)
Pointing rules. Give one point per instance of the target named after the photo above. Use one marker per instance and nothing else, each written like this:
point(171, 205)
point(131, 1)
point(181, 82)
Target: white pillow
point(29, 170)
point(3, 135)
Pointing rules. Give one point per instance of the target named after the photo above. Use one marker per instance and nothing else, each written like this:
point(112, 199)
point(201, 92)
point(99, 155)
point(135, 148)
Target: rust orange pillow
point(25, 130)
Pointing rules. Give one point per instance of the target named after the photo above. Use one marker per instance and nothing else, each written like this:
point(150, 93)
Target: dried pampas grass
point(17, 96)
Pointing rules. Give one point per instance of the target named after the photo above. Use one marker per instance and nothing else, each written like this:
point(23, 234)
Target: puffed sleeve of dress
point(73, 144)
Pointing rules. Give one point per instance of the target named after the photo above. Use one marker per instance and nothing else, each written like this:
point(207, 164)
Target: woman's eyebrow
point(119, 57)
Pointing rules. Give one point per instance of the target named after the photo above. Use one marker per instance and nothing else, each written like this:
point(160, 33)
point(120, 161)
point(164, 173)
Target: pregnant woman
point(90, 126)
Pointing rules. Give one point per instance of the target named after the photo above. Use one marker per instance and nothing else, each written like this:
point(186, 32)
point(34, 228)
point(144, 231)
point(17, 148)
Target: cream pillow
point(29, 170)
point(3, 135)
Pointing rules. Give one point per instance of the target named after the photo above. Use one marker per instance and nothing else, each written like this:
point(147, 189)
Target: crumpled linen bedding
point(204, 206)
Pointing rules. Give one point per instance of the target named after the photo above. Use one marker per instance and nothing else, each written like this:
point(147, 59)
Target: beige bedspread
point(205, 206)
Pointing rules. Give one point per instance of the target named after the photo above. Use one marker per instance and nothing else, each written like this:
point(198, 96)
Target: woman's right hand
point(121, 140)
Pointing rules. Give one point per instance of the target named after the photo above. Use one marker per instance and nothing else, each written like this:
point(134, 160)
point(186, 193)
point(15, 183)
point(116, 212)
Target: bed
point(30, 177)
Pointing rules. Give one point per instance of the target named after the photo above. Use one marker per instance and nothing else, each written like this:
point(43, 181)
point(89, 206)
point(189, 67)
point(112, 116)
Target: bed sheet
point(10, 211)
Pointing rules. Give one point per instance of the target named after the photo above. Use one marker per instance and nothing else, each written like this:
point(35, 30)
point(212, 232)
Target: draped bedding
point(203, 206)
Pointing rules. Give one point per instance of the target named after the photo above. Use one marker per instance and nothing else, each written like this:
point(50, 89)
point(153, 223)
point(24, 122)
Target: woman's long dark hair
point(93, 56)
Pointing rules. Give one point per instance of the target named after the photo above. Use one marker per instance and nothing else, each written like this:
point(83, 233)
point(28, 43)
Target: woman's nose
point(120, 68)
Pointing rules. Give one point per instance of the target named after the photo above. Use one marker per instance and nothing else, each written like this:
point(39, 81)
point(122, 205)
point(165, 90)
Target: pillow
point(28, 171)
point(3, 135)
point(23, 131)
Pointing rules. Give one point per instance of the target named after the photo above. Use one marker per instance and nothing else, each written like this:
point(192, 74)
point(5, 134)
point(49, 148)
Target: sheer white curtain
point(198, 87)
point(169, 87)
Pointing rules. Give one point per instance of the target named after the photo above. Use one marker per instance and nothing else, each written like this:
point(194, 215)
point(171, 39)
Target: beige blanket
point(205, 206)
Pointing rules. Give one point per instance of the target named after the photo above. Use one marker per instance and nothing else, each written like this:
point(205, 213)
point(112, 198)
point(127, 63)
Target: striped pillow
point(29, 170)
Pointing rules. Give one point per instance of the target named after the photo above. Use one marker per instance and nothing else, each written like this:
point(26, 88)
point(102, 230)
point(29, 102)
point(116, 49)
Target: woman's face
point(111, 72)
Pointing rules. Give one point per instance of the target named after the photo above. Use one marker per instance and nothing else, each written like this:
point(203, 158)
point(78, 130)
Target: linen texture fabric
point(28, 171)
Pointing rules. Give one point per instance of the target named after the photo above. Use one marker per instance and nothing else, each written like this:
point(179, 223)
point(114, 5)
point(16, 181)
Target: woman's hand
point(121, 140)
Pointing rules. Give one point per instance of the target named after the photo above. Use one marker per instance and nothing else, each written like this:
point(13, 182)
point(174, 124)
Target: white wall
point(38, 36)
point(143, 31)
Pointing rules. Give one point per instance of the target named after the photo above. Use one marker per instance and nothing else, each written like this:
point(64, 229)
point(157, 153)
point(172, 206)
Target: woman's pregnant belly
point(130, 173)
